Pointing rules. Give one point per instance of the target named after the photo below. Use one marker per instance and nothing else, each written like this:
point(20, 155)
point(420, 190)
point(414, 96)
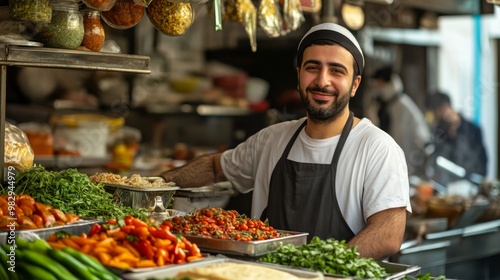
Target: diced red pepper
point(95, 229)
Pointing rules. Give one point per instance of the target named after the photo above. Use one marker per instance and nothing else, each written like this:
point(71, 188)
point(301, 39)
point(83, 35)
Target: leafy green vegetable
point(71, 192)
point(328, 256)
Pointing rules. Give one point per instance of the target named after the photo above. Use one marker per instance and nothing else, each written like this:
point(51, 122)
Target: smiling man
point(329, 174)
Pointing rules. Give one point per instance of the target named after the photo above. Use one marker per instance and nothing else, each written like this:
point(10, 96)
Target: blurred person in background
point(455, 139)
point(400, 117)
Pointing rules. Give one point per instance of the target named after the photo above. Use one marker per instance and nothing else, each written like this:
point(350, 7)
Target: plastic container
point(31, 10)
point(18, 152)
point(172, 19)
point(94, 34)
point(123, 15)
point(65, 29)
point(100, 5)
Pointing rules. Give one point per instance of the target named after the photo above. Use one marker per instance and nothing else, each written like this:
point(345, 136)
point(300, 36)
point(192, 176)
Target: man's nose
point(323, 78)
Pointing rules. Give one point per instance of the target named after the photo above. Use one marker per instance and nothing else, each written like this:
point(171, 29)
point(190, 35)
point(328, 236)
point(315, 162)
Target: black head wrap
point(335, 33)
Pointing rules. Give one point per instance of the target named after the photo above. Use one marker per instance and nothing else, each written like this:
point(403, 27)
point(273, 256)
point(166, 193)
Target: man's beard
point(319, 114)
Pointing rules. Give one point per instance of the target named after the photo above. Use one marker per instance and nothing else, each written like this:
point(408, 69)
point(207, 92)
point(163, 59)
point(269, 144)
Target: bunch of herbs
point(72, 192)
point(329, 256)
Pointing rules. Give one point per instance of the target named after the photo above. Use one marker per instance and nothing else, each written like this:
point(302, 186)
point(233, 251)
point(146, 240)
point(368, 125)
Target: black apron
point(302, 196)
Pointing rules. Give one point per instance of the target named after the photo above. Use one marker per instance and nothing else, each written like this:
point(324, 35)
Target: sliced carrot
point(104, 258)
point(131, 248)
point(57, 244)
point(145, 263)
point(69, 242)
point(118, 264)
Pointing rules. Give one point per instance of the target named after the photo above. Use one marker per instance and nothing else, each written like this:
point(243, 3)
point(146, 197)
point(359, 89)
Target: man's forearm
point(198, 172)
point(383, 235)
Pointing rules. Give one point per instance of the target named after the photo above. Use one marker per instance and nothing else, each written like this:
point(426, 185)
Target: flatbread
point(240, 271)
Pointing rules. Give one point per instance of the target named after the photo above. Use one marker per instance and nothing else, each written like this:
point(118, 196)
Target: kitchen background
point(210, 89)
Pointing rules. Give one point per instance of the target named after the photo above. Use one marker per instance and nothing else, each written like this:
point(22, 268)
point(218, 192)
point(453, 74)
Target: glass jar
point(124, 14)
point(93, 30)
point(170, 18)
point(30, 10)
point(65, 29)
point(100, 5)
point(144, 3)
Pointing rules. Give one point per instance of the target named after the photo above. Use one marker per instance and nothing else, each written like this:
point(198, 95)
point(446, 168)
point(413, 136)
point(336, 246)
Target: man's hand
point(200, 171)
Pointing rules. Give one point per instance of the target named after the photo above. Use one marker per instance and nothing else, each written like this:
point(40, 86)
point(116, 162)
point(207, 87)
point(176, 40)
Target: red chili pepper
point(141, 232)
point(128, 220)
point(161, 257)
point(194, 250)
point(168, 223)
point(145, 248)
point(127, 229)
point(180, 255)
point(139, 223)
point(95, 229)
point(164, 233)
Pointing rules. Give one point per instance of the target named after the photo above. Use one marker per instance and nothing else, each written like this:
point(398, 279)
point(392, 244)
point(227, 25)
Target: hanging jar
point(94, 35)
point(65, 29)
point(30, 10)
point(123, 15)
point(172, 19)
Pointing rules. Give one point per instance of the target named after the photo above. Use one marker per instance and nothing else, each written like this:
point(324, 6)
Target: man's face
point(326, 81)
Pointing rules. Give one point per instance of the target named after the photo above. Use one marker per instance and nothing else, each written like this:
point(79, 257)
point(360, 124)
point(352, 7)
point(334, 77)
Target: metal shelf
point(84, 60)
point(60, 58)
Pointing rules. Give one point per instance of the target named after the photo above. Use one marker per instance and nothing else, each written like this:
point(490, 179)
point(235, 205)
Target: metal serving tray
point(171, 271)
point(82, 226)
point(396, 271)
point(112, 187)
point(137, 197)
point(247, 248)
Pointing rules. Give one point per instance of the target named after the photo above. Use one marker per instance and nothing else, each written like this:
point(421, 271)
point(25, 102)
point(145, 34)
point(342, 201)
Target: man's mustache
point(322, 90)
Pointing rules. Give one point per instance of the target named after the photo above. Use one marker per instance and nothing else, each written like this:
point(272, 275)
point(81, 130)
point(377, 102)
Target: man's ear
point(355, 85)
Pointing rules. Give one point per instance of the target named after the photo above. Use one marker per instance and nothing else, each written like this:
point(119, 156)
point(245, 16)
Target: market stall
point(131, 241)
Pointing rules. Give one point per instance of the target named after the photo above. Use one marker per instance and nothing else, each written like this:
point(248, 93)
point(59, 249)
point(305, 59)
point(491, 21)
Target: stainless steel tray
point(112, 187)
point(79, 227)
point(171, 271)
point(120, 271)
point(247, 248)
point(396, 271)
point(143, 198)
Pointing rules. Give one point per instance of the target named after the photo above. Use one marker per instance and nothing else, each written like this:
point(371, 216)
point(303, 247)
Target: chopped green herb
point(328, 256)
point(71, 192)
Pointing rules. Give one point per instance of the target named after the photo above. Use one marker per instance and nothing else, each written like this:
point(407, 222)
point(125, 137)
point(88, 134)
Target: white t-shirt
point(371, 176)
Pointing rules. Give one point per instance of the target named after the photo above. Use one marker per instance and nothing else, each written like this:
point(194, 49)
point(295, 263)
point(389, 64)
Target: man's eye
point(312, 68)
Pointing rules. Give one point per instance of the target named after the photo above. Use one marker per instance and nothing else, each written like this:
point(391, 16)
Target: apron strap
point(290, 143)
point(343, 138)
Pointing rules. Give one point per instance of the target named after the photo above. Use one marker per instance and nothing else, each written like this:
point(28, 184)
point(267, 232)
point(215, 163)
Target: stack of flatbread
point(240, 271)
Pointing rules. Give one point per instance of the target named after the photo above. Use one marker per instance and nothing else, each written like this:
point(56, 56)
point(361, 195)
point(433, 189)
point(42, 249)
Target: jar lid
point(100, 5)
point(64, 5)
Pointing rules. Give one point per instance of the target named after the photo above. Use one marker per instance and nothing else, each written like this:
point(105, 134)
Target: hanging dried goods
point(124, 14)
point(170, 18)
